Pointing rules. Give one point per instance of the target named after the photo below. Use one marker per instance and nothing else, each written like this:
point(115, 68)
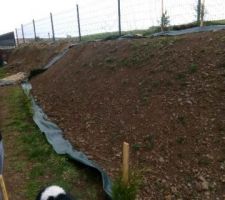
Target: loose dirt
point(32, 56)
point(165, 96)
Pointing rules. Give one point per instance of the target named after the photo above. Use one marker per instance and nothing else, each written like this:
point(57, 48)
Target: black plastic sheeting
point(191, 30)
point(57, 58)
point(62, 146)
point(122, 37)
point(7, 40)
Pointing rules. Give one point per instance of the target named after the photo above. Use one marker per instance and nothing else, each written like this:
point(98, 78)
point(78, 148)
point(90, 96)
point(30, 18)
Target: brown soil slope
point(35, 56)
point(165, 96)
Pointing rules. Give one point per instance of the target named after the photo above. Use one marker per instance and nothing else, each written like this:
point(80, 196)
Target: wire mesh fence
point(98, 19)
point(43, 28)
point(65, 24)
point(106, 18)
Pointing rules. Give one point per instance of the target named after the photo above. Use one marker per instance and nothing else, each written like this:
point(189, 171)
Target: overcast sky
point(101, 15)
point(15, 12)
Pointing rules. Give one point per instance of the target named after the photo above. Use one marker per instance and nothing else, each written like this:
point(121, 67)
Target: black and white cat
point(53, 193)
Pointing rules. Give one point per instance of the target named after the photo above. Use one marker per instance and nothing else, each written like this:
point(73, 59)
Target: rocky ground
point(165, 96)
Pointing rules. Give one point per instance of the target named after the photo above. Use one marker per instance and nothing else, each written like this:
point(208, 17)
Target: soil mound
point(165, 96)
point(32, 56)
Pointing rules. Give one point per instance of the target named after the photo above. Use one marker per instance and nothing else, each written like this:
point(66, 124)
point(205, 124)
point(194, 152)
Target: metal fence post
point(202, 13)
point(17, 39)
point(78, 22)
point(53, 31)
point(22, 33)
point(198, 9)
point(119, 18)
point(162, 16)
point(35, 36)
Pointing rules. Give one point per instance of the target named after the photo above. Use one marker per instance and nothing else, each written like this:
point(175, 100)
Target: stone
point(174, 190)
point(222, 179)
point(168, 197)
point(161, 159)
point(204, 183)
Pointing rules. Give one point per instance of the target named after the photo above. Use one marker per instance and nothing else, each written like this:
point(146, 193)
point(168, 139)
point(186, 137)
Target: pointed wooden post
point(125, 170)
point(2, 183)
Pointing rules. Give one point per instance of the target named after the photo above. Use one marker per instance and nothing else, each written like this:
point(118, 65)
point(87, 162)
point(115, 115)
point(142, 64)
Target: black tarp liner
point(62, 146)
point(191, 30)
point(57, 58)
point(7, 40)
point(54, 134)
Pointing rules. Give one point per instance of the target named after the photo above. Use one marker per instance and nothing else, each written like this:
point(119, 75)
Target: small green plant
point(2, 73)
point(180, 76)
point(136, 147)
point(193, 68)
point(204, 161)
point(181, 120)
point(165, 21)
point(150, 141)
point(109, 60)
point(121, 191)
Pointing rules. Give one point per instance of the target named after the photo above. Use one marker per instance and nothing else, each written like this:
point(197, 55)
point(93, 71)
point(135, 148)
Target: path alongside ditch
point(26, 149)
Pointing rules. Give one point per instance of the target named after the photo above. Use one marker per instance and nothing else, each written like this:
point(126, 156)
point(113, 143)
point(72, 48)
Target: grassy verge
point(32, 159)
point(129, 191)
point(2, 73)
point(149, 31)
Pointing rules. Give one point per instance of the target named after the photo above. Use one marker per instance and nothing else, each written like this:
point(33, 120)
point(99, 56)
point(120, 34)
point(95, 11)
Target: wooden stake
point(2, 183)
point(125, 177)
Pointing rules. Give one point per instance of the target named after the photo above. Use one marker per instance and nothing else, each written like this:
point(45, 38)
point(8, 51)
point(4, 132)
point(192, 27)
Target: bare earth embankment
point(165, 96)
